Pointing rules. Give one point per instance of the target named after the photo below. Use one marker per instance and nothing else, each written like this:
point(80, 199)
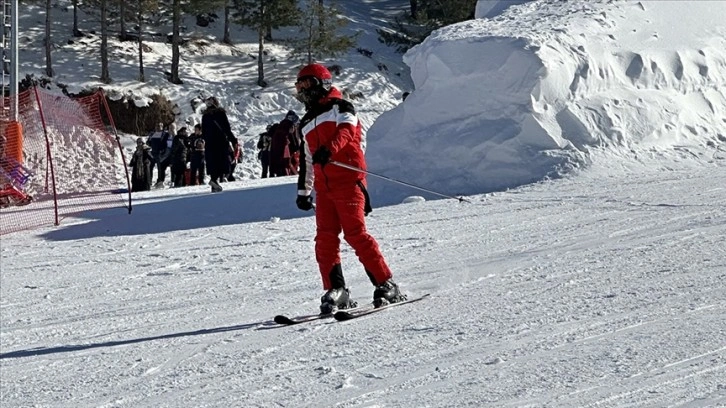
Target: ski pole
point(349, 167)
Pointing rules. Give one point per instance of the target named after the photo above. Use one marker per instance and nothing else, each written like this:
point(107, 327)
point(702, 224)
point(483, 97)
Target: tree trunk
point(261, 48)
point(48, 42)
point(321, 18)
point(266, 25)
point(227, 39)
point(260, 64)
point(76, 31)
point(142, 78)
point(414, 9)
point(122, 19)
point(105, 76)
point(310, 33)
point(175, 44)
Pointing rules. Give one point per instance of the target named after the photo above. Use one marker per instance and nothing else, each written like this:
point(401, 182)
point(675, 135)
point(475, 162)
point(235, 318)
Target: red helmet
point(318, 72)
point(322, 83)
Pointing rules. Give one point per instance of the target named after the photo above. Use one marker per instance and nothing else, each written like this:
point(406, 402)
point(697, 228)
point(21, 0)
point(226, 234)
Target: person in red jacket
point(331, 131)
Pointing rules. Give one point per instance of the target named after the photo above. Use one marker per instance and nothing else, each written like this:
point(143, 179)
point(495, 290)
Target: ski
point(290, 321)
point(344, 315)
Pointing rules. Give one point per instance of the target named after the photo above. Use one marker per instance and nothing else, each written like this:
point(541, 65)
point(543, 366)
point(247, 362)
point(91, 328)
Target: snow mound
point(519, 97)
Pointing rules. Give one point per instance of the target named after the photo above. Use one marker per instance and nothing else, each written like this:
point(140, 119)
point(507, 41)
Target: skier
point(330, 130)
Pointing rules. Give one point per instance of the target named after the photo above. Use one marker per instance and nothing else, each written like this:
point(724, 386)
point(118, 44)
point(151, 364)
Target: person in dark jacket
point(158, 142)
point(294, 142)
point(196, 159)
point(179, 158)
point(263, 145)
point(331, 132)
point(280, 155)
point(141, 166)
point(217, 137)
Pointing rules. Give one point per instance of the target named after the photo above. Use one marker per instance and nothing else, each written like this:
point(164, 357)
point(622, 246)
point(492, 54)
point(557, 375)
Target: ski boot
point(216, 188)
point(334, 299)
point(387, 293)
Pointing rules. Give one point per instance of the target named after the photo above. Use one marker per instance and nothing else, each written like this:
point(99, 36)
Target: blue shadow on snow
point(185, 211)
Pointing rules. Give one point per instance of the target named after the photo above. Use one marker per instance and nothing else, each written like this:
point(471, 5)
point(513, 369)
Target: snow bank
point(533, 91)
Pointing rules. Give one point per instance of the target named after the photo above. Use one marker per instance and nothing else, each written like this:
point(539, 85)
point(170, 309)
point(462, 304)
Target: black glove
point(304, 203)
point(322, 156)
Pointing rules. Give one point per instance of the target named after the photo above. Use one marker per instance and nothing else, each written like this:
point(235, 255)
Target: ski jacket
point(179, 152)
point(218, 136)
point(141, 168)
point(331, 122)
point(158, 141)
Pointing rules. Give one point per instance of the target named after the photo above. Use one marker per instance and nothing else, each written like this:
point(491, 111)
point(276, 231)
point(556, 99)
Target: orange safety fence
point(59, 156)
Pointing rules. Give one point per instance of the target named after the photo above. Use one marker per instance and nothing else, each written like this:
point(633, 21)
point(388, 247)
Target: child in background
point(179, 158)
point(196, 158)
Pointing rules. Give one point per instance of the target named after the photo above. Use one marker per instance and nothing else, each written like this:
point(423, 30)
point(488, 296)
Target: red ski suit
point(339, 197)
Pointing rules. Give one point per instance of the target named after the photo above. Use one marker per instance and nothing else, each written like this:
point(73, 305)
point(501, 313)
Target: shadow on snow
point(39, 351)
point(154, 215)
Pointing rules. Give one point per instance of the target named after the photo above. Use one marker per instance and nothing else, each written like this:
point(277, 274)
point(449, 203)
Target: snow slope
point(602, 287)
point(586, 291)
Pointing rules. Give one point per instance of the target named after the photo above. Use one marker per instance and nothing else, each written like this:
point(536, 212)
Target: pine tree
point(263, 16)
point(319, 25)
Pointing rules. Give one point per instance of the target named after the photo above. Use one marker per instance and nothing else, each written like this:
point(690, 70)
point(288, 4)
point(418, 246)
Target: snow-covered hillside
point(208, 67)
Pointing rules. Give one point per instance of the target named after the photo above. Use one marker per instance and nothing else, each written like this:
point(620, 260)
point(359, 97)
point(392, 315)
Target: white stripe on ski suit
point(320, 124)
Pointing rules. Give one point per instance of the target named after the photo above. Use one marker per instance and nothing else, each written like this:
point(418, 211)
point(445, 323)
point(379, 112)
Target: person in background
point(165, 155)
point(178, 159)
point(294, 142)
point(157, 142)
point(235, 156)
point(331, 131)
point(217, 137)
point(263, 144)
point(141, 166)
point(196, 159)
point(280, 155)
